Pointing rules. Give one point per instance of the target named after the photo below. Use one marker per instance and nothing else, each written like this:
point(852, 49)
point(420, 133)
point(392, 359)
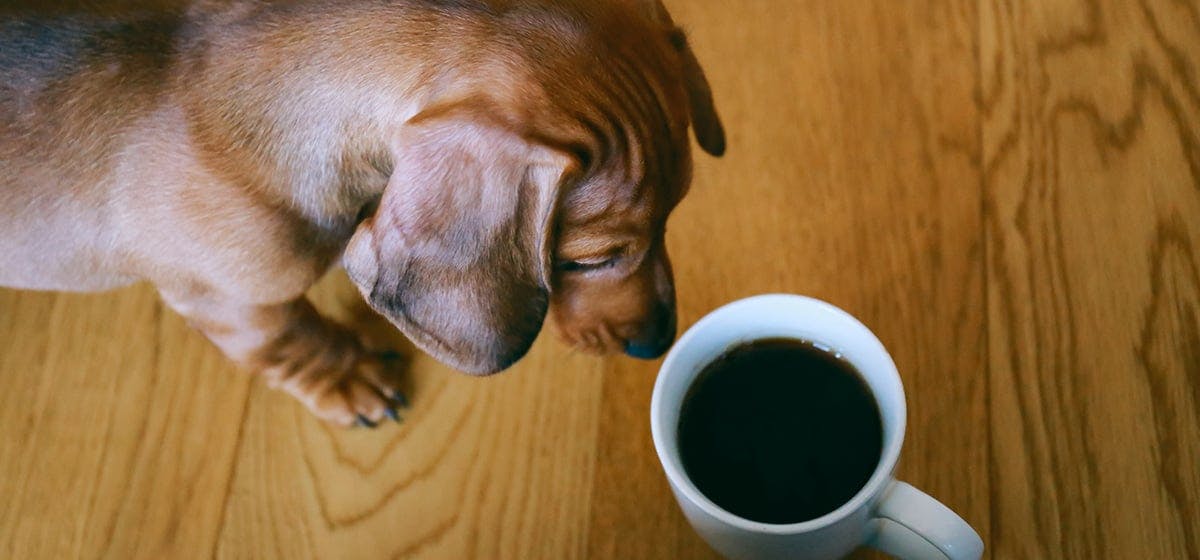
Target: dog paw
point(343, 384)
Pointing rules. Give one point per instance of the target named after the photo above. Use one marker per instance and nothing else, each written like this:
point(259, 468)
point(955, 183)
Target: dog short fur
point(473, 164)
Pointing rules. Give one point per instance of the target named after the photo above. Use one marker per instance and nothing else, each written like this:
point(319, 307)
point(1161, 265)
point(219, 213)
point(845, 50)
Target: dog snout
point(655, 337)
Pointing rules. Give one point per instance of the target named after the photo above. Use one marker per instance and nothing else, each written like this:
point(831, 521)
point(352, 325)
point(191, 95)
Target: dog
point(474, 165)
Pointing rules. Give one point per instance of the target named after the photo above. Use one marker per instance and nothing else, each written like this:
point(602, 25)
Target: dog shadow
point(337, 298)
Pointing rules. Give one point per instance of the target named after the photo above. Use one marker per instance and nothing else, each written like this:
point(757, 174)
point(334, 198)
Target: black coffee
point(779, 431)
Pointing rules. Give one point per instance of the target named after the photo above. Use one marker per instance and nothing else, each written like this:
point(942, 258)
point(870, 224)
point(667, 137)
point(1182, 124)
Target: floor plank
point(481, 468)
point(852, 175)
point(1093, 193)
point(119, 427)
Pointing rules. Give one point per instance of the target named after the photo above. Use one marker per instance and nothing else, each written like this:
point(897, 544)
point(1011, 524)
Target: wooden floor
point(1006, 191)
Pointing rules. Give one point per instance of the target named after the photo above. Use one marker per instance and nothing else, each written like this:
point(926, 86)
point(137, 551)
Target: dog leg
point(320, 363)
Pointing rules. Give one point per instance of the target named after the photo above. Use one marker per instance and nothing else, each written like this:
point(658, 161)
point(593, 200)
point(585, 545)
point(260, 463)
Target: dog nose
point(646, 351)
point(654, 340)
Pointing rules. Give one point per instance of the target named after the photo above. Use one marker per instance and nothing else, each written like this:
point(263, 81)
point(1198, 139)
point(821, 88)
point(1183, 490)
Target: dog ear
point(705, 122)
point(458, 254)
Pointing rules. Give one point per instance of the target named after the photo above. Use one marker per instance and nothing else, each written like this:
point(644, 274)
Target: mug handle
point(910, 524)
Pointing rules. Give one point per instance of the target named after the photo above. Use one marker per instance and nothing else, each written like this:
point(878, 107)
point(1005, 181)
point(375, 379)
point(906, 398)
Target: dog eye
point(587, 265)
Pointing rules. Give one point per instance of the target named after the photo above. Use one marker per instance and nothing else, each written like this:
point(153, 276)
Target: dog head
point(548, 190)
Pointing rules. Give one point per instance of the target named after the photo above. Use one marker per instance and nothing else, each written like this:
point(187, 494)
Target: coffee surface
point(779, 431)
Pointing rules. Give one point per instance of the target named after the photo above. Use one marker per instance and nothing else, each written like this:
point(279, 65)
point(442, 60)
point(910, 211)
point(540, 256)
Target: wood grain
point(1092, 176)
point(1006, 191)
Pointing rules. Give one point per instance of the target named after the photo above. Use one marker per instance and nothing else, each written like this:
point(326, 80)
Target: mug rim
point(679, 478)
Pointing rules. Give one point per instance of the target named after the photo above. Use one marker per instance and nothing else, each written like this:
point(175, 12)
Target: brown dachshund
point(473, 164)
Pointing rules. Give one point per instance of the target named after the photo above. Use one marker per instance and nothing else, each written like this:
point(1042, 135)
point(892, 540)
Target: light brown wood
point(1092, 179)
point(1007, 192)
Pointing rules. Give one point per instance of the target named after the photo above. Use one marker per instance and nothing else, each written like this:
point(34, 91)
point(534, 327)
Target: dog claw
point(399, 398)
point(390, 356)
point(364, 422)
point(391, 413)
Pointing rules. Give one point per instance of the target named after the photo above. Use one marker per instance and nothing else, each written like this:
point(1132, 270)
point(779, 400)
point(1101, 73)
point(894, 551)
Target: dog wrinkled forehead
point(596, 197)
point(630, 135)
point(615, 83)
point(611, 194)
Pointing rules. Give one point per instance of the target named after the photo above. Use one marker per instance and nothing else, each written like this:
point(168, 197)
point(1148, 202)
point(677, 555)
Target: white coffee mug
point(886, 514)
